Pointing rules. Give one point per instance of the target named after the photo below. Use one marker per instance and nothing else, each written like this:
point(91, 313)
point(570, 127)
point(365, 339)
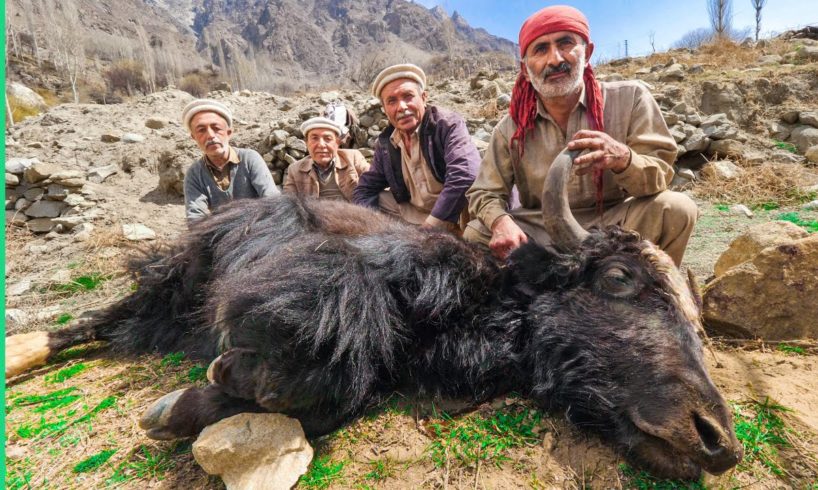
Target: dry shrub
point(768, 183)
point(489, 110)
point(194, 84)
point(127, 76)
point(20, 110)
point(727, 54)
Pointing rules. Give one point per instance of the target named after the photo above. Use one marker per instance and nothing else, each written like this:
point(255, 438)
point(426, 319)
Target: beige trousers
point(411, 214)
point(666, 219)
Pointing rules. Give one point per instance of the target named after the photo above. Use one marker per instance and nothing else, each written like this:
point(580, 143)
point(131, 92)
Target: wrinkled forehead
point(553, 38)
point(672, 282)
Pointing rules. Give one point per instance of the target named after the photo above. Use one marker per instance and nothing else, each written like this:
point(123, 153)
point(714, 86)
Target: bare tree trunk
point(758, 5)
point(721, 15)
point(9, 114)
point(27, 6)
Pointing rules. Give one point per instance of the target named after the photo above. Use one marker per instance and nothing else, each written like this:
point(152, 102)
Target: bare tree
point(652, 39)
point(721, 17)
point(29, 17)
point(758, 5)
point(693, 39)
point(68, 41)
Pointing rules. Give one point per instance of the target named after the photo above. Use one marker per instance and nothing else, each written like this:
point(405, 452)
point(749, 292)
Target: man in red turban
point(627, 155)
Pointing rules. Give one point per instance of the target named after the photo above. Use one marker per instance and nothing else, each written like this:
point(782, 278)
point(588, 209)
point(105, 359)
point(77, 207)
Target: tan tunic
point(631, 116)
point(301, 177)
point(423, 187)
point(222, 175)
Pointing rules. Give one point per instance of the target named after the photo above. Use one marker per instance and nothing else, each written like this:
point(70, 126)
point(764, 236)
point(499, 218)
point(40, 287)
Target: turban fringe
point(523, 107)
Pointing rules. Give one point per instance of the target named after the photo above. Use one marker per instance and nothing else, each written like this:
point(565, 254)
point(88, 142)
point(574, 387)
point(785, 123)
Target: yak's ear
point(536, 268)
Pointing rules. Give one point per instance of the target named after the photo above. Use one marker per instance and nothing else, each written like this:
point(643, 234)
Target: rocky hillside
point(88, 183)
point(256, 44)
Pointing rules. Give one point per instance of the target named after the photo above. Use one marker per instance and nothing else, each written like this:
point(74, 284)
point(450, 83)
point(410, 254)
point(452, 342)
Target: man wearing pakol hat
point(328, 172)
point(223, 173)
point(425, 156)
point(624, 171)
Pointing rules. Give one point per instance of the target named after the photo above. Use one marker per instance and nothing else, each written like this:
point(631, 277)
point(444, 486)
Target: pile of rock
point(46, 198)
point(800, 129)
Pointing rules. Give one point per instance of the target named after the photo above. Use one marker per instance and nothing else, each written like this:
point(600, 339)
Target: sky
point(614, 21)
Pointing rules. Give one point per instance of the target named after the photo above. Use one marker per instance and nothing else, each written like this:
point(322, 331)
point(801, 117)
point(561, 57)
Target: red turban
point(523, 108)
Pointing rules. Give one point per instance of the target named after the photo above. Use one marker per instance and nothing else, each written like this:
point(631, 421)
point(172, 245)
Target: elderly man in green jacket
point(223, 173)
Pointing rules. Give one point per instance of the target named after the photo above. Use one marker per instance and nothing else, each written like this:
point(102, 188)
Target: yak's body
point(320, 310)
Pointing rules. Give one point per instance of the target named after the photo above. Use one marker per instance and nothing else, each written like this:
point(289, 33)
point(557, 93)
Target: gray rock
point(69, 222)
point(741, 209)
point(754, 157)
point(327, 97)
point(34, 194)
point(19, 288)
point(719, 119)
point(57, 192)
point(99, 174)
point(296, 144)
point(808, 118)
point(790, 117)
point(25, 96)
point(254, 451)
point(132, 138)
point(673, 73)
point(726, 148)
point(309, 113)
point(694, 119)
point(40, 225)
point(697, 142)
point(110, 137)
point(503, 101)
point(695, 69)
point(722, 97)
point(19, 165)
point(11, 180)
point(810, 205)
point(39, 172)
point(770, 59)
point(812, 154)
point(16, 318)
point(289, 159)
point(779, 131)
point(156, 122)
point(45, 209)
point(482, 135)
point(671, 118)
point(21, 204)
point(677, 133)
point(804, 137)
point(722, 132)
point(720, 170)
point(366, 120)
point(280, 136)
point(138, 232)
point(680, 108)
point(16, 218)
point(809, 53)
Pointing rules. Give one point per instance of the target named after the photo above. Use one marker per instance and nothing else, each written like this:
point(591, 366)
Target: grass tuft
point(81, 284)
point(197, 373)
point(94, 462)
point(479, 437)
point(56, 399)
point(761, 431)
point(791, 349)
point(381, 470)
point(172, 359)
point(795, 218)
point(65, 374)
point(322, 473)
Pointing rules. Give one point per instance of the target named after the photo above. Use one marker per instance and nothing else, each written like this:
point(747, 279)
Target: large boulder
point(756, 239)
point(804, 137)
point(171, 168)
point(772, 296)
point(722, 97)
point(25, 96)
point(254, 451)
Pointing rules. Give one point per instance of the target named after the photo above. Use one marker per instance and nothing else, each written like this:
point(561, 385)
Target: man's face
point(323, 146)
point(211, 133)
point(554, 63)
point(404, 103)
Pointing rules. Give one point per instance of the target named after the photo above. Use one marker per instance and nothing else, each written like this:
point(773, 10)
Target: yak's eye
point(617, 281)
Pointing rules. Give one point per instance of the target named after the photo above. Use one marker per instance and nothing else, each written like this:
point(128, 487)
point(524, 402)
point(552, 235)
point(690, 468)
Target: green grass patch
point(64, 318)
point(322, 473)
point(642, 480)
point(486, 438)
point(76, 352)
point(783, 145)
point(45, 427)
point(722, 207)
point(761, 431)
point(56, 399)
point(94, 462)
point(64, 374)
point(791, 349)
point(381, 470)
point(144, 464)
point(172, 359)
point(81, 284)
point(17, 481)
point(810, 225)
point(197, 373)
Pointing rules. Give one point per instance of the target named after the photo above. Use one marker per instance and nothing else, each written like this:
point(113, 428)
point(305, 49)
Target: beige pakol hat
point(206, 105)
point(396, 72)
point(319, 122)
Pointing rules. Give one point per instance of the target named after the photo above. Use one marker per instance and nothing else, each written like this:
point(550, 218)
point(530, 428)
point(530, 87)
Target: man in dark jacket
point(425, 156)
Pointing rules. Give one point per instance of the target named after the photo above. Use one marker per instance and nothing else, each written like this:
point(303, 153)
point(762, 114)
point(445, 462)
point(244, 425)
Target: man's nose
point(554, 57)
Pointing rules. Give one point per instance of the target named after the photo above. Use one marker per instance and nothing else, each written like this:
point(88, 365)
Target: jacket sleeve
point(489, 195)
point(360, 163)
point(289, 180)
point(653, 149)
point(371, 182)
point(462, 161)
point(260, 177)
point(197, 204)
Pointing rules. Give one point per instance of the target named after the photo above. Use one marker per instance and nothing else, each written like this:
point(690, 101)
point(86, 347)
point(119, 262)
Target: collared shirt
point(324, 173)
point(631, 116)
point(423, 187)
point(222, 175)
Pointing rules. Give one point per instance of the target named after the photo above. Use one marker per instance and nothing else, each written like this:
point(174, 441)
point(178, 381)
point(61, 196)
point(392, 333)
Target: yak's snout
point(719, 450)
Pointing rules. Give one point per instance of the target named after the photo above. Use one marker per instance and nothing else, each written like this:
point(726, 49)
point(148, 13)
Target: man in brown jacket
point(627, 152)
point(328, 172)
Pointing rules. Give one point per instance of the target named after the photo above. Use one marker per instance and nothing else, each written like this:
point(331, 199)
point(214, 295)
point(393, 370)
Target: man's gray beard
point(559, 88)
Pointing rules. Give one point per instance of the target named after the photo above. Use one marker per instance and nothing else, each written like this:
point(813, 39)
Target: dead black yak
point(320, 310)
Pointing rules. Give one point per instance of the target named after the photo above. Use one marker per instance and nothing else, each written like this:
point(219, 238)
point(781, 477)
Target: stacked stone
point(45, 198)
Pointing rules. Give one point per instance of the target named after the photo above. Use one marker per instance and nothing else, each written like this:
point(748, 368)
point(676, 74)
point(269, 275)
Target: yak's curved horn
point(564, 230)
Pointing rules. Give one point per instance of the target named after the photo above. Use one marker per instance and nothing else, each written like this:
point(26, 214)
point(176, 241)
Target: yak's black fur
point(321, 320)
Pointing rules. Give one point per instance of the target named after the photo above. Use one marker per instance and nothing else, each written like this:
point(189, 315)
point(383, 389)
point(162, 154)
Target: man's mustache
point(213, 141)
point(563, 67)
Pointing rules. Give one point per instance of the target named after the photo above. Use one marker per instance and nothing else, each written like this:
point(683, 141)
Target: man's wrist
point(627, 163)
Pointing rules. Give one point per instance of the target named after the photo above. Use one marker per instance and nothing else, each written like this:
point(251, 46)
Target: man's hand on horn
point(603, 152)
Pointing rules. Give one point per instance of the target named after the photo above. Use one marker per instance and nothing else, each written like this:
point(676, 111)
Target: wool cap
point(320, 123)
point(206, 105)
point(396, 72)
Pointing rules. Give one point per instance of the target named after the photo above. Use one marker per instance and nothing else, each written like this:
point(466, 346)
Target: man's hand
point(604, 152)
point(505, 237)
